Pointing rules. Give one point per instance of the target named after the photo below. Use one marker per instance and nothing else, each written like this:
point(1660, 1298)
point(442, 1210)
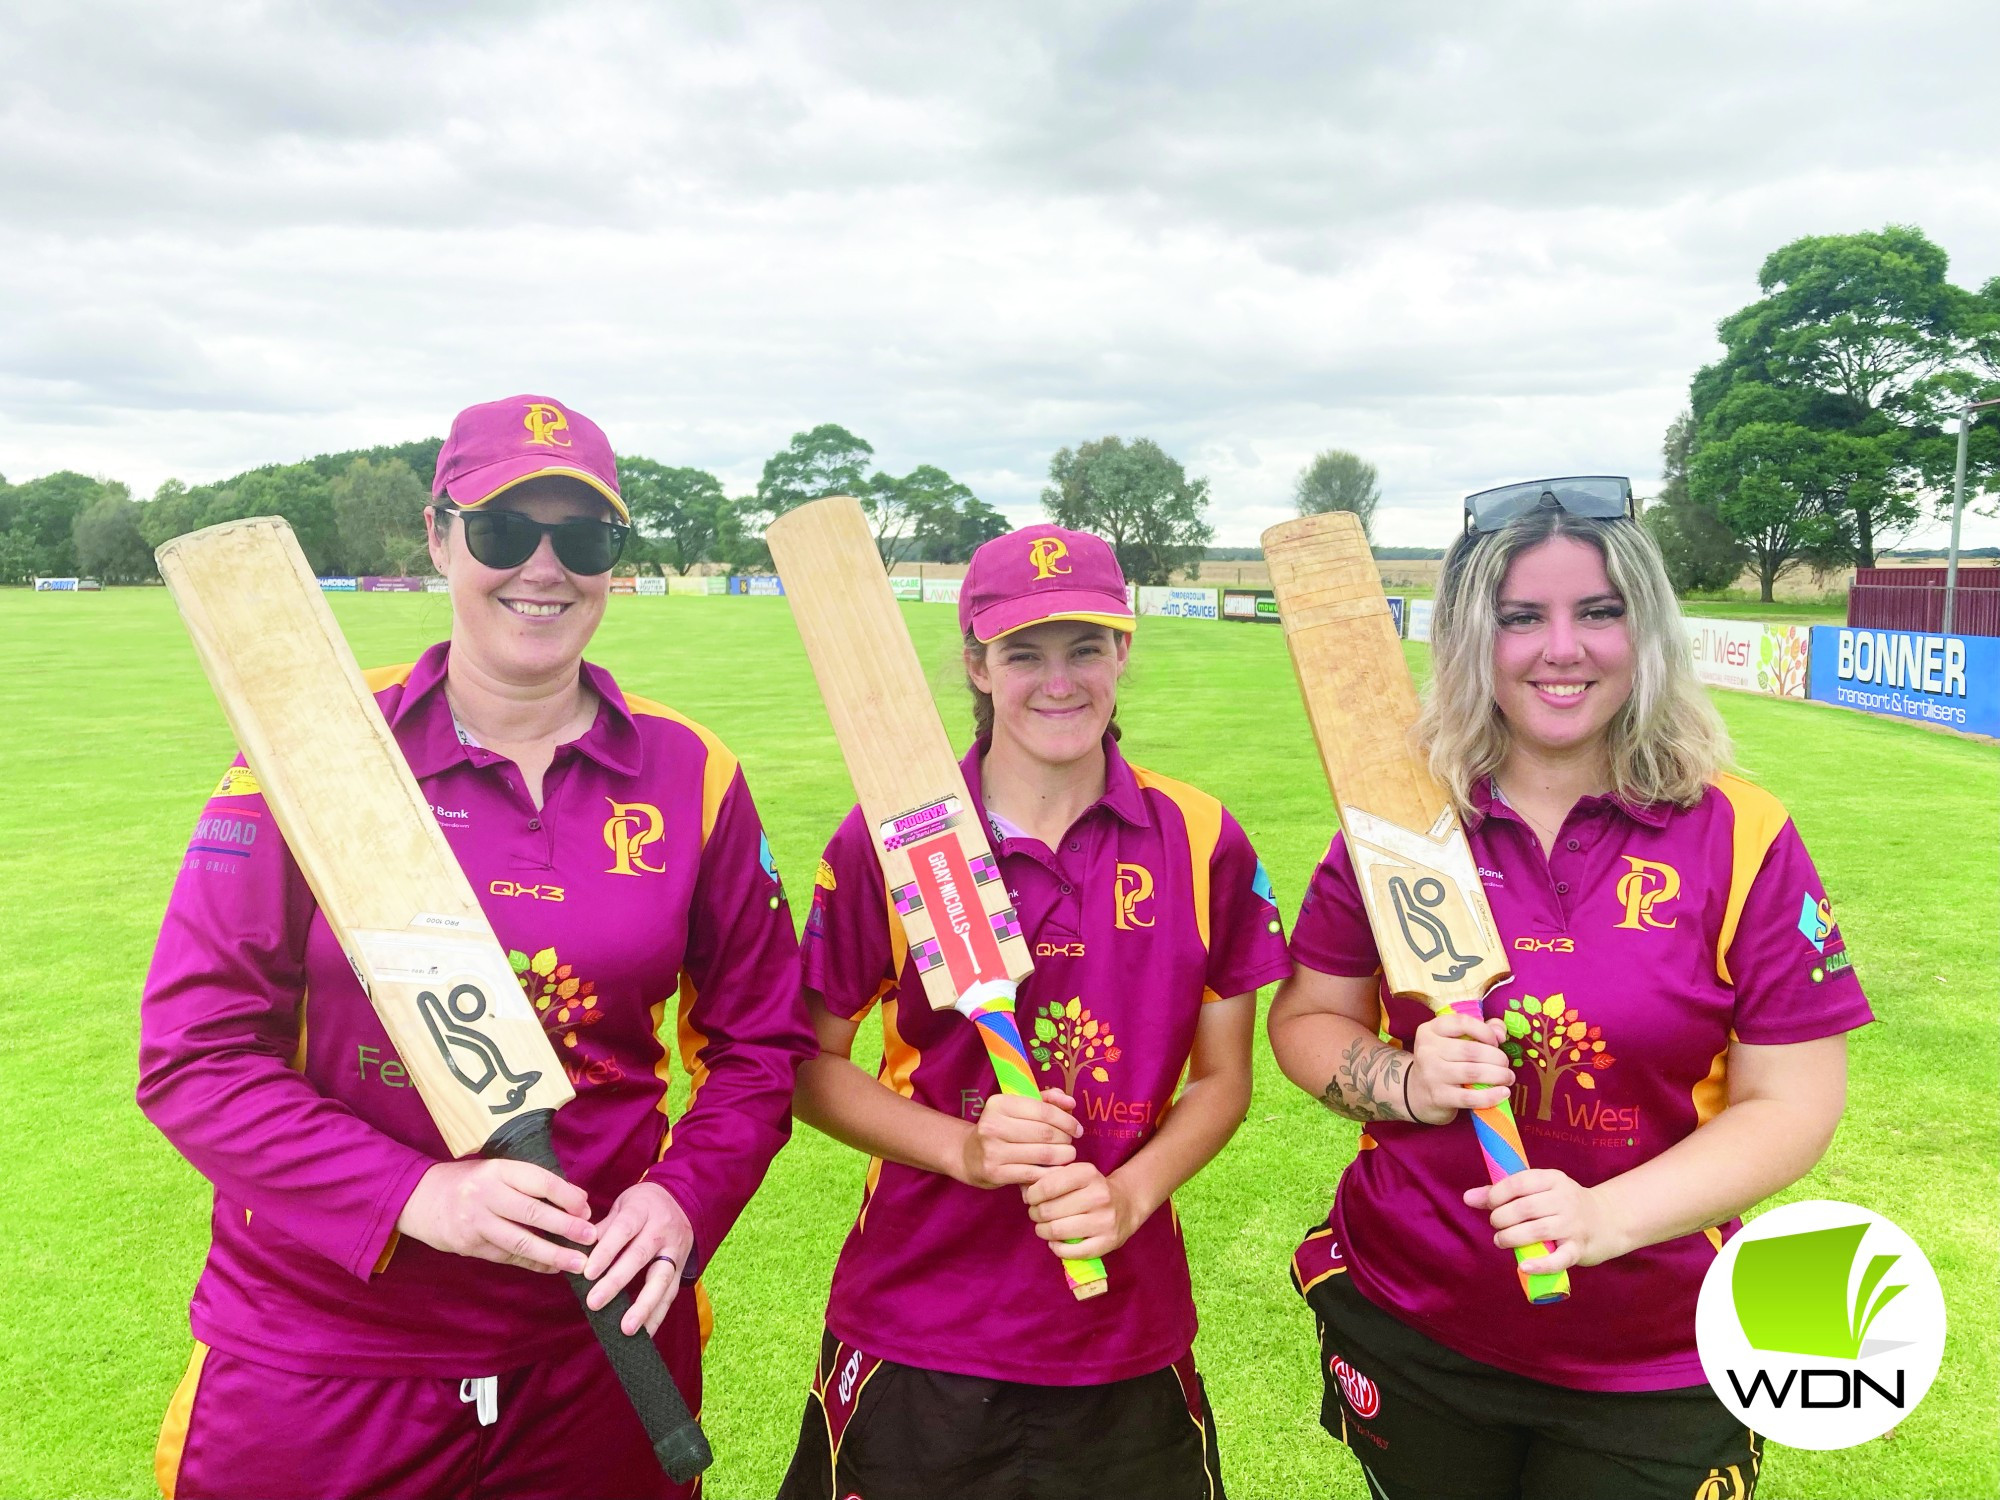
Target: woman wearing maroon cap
point(1674, 1036)
point(955, 1359)
point(375, 1318)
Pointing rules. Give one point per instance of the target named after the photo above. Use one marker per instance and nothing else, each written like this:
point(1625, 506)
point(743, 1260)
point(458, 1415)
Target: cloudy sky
point(1471, 241)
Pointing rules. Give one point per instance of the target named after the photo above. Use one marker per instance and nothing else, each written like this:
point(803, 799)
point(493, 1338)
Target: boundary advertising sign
point(1950, 681)
point(1178, 603)
point(942, 590)
point(1250, 604)
point(907, 586)
point(1417, 619)
point(1750, 656)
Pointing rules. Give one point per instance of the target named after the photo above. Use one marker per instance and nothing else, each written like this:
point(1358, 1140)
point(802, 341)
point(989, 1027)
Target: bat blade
point(929, 837)
point(378, 865)
point(1426, 907)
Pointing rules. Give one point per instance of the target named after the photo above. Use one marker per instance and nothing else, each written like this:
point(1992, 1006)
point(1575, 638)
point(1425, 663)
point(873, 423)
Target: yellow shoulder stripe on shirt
point(1759, 818)
point(378, 678)
point(718, 769)
point(1203, 816)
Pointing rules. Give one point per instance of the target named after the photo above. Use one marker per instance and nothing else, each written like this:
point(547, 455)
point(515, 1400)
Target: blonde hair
point(1664, 745)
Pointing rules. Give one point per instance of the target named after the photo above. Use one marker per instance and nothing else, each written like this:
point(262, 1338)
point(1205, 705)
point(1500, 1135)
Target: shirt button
point(1573, 844)
point(1562, 887)
point(1074, 846)
point(1066, 890)
point(534, 825)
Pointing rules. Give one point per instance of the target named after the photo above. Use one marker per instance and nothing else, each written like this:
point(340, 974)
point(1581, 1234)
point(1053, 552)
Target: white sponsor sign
point(941, 590)
point(436, 586)
point(1417, 622)
point(653, 585)
point(55, 585)
point(1749, 656)
point(1178, 603)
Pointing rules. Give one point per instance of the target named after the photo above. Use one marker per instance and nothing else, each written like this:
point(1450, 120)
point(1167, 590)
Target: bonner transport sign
point(1948, 680)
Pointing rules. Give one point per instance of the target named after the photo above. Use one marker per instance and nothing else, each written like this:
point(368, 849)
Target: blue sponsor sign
point(760, 584)
point(339, 585)
point(1952, 681)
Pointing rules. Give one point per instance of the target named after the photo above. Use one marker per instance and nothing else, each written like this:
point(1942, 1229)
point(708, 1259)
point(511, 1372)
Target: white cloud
point(1471, 242)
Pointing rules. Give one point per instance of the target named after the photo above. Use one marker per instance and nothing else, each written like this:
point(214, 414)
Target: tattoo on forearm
point(1368, 1084)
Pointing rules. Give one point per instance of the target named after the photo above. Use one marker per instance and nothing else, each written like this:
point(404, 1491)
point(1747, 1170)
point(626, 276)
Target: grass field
point(112, 742)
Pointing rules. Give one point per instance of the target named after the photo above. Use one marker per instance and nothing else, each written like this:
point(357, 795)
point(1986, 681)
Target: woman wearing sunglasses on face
point(374, 1318)
point(1677, 1018)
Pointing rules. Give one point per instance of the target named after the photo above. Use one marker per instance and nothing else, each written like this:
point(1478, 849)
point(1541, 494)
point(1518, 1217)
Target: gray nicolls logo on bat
point(1416, 907)
point(472, 1056)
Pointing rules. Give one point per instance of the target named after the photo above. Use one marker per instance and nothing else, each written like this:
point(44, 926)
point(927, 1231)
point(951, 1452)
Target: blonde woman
point(1674, 1037)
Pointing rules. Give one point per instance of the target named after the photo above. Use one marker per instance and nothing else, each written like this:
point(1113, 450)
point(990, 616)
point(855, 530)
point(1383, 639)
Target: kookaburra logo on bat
point(471, 1055)
point(1427, 936)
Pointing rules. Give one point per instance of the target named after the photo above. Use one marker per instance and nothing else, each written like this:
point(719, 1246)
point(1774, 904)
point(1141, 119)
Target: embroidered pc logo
point(1134, 884)
point(546, 425)
point(1645, 886)
point(1047, 553)
point(631, 827)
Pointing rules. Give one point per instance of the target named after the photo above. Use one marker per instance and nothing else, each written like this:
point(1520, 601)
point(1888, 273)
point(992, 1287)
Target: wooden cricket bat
point(1428, 911)
point(402, 909)
point(930, 838)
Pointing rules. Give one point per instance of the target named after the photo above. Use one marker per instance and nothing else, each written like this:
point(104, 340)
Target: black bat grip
point(678, 1442)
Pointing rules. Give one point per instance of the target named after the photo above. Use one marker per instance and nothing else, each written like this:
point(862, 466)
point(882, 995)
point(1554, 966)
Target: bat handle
point(1500, 1143)
point(994, 1016)
point(677, 1439)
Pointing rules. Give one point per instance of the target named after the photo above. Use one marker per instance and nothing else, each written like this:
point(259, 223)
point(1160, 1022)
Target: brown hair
point(982, 703)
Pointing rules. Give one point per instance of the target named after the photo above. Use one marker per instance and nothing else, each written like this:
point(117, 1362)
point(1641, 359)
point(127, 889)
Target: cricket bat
point(929, 837)
point(402, 909)
point(1428, 911)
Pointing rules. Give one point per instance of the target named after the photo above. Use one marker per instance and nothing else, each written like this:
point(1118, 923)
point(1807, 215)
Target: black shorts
point(884, 1431)
point(1426, 1421)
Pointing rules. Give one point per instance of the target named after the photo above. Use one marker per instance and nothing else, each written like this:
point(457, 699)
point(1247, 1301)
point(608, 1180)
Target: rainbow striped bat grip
point(993, 1014)
point(1500, 1144)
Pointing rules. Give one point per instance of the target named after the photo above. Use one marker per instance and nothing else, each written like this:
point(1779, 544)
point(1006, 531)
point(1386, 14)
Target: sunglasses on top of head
point(1598, 497)
point(505, 539)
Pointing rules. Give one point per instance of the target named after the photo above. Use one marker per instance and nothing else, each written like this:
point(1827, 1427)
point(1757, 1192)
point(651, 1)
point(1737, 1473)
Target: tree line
point(1828, 430)
point(361, 512)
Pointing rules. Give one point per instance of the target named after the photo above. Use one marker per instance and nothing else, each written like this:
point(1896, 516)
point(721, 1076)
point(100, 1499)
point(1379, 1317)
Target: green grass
point(1735, 605)
point(112, 742)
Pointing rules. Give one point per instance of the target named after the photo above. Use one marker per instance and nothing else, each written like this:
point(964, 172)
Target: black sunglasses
point(505, 539)
point(1600, 497)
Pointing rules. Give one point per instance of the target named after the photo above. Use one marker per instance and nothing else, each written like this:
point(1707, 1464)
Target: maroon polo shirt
point(1648, 940)
point(1152, 903)
point(641, 909)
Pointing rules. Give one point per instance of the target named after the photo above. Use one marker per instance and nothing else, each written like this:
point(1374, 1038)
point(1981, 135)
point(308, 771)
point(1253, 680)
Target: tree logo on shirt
point(630, 829)
point(1645, 886)
point(1070, 1039)
point(1550, 1040)
point(566, 1004)
point(1134, 884)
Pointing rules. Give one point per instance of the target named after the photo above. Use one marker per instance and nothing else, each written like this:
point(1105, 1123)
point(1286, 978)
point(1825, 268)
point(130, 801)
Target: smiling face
point(1562, 657)
point(528, 624)
point(1054, 687)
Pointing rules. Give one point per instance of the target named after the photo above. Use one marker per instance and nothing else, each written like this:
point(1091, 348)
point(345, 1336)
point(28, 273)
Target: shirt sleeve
point(1332, 933)
point(1794, 981)
point(849, 952)
point(219, 1032)
point(744, 1032)
point(1246, 938)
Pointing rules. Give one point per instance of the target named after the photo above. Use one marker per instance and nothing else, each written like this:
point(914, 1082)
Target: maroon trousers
point(559, 1428)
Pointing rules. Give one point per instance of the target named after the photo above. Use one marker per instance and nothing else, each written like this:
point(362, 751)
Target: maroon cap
point(500, 444)
point(1042, 573)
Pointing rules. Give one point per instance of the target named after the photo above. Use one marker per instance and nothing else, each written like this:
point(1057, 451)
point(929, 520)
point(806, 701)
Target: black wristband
point(1408, 1113)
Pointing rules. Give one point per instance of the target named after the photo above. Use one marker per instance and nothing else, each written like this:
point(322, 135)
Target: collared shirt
point(637, 901)
point(1647, 940)
point(1152, 903)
